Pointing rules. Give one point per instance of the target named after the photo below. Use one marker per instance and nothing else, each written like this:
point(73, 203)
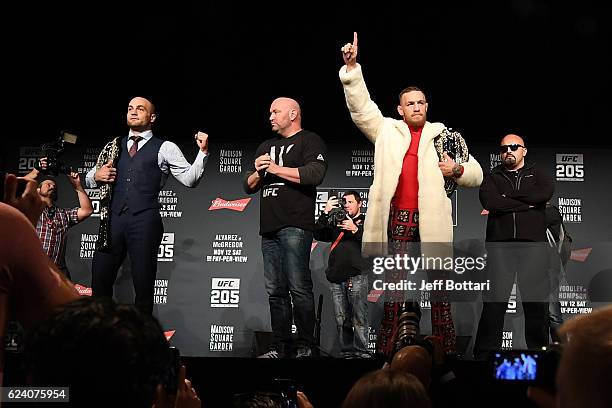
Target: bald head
point(289, 103)
point(513, 151)
point(140, 114)
point(414, 360)
point(285, 116)
point(513, 139)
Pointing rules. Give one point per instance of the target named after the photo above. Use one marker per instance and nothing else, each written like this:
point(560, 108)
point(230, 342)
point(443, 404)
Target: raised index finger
point(181, 377)
point(355, 38)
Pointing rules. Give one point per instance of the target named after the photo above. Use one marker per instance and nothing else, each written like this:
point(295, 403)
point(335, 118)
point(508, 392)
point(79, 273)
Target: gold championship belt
point(454, 145)
point(110, 152)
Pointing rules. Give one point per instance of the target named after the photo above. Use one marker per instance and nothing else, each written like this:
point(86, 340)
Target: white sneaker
point(270, 354)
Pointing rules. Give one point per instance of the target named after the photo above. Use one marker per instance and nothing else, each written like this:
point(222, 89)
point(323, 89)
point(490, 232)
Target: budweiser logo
point(374, 295)
point(83, 290)
point(580, 255)
point(169, 334)
point(236, 205)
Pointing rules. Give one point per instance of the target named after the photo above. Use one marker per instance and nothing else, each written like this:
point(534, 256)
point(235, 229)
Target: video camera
point(337, 214)
point(53, 151)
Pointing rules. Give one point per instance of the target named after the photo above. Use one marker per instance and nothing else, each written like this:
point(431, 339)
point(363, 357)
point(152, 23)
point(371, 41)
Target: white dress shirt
point(170, 160)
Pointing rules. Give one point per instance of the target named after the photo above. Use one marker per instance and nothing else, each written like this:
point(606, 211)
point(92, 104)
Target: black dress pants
point(528, 263)
point(138, 235)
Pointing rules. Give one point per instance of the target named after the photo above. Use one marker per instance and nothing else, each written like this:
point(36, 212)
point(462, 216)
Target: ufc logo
point(570, 158)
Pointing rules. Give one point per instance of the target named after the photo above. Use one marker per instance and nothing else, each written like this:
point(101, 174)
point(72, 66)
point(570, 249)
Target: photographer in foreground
point(346, 271)
point(54, 222)
point(126, 353)
point(583, 378)
point(424, 358)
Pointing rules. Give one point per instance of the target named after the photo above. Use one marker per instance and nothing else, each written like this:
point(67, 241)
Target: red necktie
point(134, 147)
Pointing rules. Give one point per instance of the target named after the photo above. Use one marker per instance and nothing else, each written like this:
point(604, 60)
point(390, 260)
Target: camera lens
point(408, 326)
point(336, 216)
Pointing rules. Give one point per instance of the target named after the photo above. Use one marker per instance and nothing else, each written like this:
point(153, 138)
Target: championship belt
point(453, 144)
point(110, 152)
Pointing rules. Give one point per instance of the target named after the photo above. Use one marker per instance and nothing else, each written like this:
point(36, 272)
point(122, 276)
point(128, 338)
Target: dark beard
point(509, 161)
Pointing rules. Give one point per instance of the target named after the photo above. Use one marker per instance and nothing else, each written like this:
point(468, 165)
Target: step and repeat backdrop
point(209, 291)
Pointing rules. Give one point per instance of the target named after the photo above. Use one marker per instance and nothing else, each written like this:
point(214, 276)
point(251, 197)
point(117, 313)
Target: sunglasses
point(514, 147)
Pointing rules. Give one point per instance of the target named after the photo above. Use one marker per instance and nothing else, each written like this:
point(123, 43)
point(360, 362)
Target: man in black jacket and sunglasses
point(515, 194)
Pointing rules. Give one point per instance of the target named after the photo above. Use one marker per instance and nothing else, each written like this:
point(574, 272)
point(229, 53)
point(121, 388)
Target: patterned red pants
point(403, 232)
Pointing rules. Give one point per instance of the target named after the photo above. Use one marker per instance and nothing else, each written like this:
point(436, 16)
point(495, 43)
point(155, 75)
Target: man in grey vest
point(137, 175)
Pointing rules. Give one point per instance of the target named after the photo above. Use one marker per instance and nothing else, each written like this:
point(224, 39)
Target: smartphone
point(170, 380)
point(516, 365)
point(287, 388)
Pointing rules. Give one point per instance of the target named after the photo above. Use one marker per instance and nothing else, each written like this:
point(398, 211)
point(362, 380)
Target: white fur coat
point(391, 139)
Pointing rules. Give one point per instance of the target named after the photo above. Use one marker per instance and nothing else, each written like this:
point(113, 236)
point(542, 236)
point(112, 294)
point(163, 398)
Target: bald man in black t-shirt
point(287, 170)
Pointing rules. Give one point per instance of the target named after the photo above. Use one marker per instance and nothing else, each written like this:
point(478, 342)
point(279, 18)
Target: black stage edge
point(326, 381)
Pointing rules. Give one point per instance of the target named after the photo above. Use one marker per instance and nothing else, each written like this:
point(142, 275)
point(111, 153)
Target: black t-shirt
point(284, 203)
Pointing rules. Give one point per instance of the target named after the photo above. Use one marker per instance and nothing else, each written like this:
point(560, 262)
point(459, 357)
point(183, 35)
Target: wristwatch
point(457, 171)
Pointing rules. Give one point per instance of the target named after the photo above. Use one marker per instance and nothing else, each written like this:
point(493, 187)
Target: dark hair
point(354, 194)
point(387, 388)
point(48, 178)
point(410, 89)
point(108, 354)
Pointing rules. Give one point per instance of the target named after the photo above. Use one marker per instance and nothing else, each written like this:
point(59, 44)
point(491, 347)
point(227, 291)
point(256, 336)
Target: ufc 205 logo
point(28, 158)
point(225, 292)
point(511, 308)
point(94, 197)
point(570, 167)
point(27, 163)
point(165, 253)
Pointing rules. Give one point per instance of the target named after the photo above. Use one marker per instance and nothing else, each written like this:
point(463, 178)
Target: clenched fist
point(202, 141)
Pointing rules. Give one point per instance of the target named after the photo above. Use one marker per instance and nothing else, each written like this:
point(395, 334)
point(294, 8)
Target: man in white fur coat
point(407, 201)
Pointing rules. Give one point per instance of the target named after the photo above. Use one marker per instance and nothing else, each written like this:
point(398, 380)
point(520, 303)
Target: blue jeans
point(286, 257)
point(351, 310)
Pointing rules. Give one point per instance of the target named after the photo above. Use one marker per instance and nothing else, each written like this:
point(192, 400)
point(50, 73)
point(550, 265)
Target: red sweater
point(407, 191)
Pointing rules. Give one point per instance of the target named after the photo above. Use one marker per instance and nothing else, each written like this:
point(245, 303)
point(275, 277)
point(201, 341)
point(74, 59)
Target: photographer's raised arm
point(323, 232)
point(85, 207)
point(35, 172)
